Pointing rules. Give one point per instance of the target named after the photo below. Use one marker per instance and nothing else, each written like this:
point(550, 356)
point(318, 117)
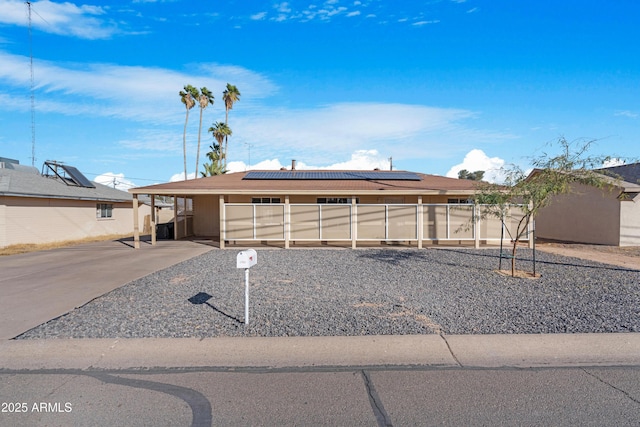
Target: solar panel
point(333, 175)
point(77, 176)
point(70, 175)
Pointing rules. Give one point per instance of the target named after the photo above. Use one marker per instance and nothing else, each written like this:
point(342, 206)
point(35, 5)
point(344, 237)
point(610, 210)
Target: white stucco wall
point(37, 220)
point(630, 221)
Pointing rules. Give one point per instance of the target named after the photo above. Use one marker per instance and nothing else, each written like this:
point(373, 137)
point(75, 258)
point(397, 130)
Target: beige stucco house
point(38, 208)
point(606, 216)
point(290, 207)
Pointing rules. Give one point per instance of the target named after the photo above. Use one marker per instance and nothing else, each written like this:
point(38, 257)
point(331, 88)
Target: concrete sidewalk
point(520, 351)
point(39, 286)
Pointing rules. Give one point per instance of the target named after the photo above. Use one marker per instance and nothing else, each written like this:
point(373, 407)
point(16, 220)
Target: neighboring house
point(59, 205)
point(606, 216)
point(296, 206)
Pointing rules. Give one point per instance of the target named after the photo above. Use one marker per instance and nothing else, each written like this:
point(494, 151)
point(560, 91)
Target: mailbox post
point(246, 259)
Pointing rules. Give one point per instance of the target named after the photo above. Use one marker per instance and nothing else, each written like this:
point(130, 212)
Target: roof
point(625, 177)
point(235, 183)
point(20, 183)
point(628, 173)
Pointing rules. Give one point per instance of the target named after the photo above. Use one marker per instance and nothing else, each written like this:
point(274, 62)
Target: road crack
point(382, 417)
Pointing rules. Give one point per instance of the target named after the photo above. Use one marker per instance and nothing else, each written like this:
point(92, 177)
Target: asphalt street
point(349, 395)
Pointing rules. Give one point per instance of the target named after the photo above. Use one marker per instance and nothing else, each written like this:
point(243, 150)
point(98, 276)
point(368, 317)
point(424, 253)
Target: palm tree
point(188, 97)
point(215, 167)
point(205, 97)
point(220, 132)
point(230, 95)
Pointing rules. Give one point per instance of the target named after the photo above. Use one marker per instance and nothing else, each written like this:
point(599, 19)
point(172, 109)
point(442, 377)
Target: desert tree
point(551, 175)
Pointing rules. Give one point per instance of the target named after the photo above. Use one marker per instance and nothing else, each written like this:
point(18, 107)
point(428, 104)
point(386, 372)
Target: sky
point(430, 86)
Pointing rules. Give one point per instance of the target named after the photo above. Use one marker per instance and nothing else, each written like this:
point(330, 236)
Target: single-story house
point(313, 207)
point(605, 216)
point(60, 204)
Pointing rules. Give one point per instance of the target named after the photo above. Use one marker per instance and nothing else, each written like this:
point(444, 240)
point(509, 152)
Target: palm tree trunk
point(184, 144)
point(226, 138)
point(199, 134)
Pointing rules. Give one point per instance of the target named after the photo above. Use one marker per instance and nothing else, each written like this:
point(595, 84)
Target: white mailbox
point(246, 259)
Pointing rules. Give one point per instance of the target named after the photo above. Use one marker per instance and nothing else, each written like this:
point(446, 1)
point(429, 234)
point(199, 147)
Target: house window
point(341, 200)
point(255, 200)
point(104, 210)
point(464, 201)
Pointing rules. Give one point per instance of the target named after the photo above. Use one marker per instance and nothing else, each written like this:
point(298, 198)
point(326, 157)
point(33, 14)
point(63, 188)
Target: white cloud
point(282, 7)
point(473, 10)
point(285, 12)
point(420, 23)
point(359, 160)
point(627, 113)
point(269, 164)
point(258, 16)
point(66, 18)
point(180, 176)
point(477, 160)
point(337, 130)
point(613, 162)
point(134, 93)
point(114, 180)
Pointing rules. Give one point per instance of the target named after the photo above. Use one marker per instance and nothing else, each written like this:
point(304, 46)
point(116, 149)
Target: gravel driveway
point(307, 292)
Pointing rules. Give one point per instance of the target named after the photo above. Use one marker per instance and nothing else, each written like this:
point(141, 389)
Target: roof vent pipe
point(293, 165)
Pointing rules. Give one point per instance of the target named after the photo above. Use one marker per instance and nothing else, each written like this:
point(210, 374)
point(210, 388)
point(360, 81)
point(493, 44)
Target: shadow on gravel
point(393, 256)
point(203, 298)
point(528, 258)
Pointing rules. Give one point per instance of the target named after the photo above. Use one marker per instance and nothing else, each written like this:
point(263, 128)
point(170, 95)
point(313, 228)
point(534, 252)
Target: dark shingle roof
point(19, 183)
point(629, 173)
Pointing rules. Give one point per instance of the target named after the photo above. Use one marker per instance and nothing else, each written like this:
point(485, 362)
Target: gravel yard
point(314, 292)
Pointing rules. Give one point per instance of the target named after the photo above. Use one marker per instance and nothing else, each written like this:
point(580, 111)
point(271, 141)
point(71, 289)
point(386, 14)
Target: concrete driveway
point(39, 286)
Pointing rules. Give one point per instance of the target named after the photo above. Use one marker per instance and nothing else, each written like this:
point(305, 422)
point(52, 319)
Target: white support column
point(287, 221)
point(222, 221)
point(175, 217)
point(354, 222)
point(136, 225)
point(153, 219)
point(420, 222)
point(476, 226)
point(184, 217)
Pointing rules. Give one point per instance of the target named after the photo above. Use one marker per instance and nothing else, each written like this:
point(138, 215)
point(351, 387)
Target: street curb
point(469, 351)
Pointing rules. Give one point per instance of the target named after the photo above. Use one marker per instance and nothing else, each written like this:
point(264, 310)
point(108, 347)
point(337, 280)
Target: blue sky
point(435, 85)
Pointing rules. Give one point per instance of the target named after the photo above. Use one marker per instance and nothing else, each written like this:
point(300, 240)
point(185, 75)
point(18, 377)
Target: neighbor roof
point(272, 183)
point(629, 173)
point(18, 183)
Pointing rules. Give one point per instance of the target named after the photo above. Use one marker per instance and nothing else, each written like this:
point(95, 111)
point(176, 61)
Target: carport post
point(175, 217)
point(420, 222)
point(287, 221)
point(476, 226)
point(136, 226)
point(153, 219)
point(354, 222)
